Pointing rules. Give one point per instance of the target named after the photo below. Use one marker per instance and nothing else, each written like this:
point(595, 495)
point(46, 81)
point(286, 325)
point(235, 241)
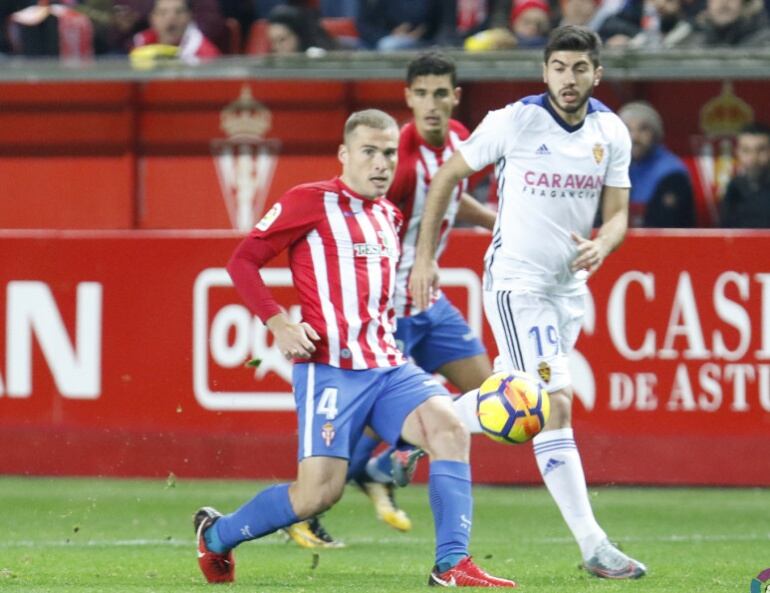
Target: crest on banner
point(245, 161)
point(721, 118)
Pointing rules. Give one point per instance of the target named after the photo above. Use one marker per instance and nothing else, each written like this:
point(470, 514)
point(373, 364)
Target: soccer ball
point(512, 407)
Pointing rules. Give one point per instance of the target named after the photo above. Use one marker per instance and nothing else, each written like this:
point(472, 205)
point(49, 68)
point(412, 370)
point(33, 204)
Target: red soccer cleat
point(466, 574)
point(217, 568)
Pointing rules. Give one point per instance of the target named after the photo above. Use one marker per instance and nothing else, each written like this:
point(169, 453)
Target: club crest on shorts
point(598, 152)
point(544, 370)
point(328, 433)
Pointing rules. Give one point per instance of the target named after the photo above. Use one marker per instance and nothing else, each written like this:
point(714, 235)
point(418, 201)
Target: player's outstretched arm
point(424, 276)
point(592, 253)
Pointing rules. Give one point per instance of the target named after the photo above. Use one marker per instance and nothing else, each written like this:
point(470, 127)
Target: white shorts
point(535, 332)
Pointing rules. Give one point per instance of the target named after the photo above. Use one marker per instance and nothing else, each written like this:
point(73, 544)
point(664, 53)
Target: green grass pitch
point(104, 535)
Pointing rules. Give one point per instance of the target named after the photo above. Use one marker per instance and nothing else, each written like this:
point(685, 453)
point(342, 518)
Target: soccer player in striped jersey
point(436, 337)
point(342, 240)
point(558, 156)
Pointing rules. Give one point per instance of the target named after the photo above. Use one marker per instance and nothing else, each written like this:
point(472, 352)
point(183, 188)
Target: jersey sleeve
point(489, 140)
point(620, 157)
point(401, 191)
point(290, 219)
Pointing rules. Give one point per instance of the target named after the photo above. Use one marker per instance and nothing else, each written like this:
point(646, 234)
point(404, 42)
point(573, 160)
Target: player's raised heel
point(217, 568)
point(610, 563)
point(466, 574)
point(381, 496)
point(311, 534)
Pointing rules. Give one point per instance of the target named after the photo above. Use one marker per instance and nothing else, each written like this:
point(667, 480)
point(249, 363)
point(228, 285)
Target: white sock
point(465, 406)
point(559, 463)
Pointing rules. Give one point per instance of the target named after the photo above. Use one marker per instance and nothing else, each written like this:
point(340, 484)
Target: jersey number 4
point(327, 405)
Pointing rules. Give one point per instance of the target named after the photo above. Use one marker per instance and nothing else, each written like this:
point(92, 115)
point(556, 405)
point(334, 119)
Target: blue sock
point(360, 456)
point(213, 543)
point(380, 469)
point(449, 489)
point(448, 562)
point(269, 510)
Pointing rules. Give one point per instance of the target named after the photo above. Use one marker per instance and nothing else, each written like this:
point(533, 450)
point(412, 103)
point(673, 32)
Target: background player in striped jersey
point(558, 155)
point(342, 239)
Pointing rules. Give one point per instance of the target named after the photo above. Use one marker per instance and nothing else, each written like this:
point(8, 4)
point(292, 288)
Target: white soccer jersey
point(550, 179)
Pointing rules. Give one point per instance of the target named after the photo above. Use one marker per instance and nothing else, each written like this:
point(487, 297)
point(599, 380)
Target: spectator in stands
point(729, 23)
point(530, 22)
point(464, 19)
point(746, 203)
point(50, 29)
point(7, 8)
point(479, 25)
point(133, 16)
point(668, 26)
point(171, 24)
point(295, 29)
point(579, 12)
point(104, 17)
point(661, 190)
point(397, 25)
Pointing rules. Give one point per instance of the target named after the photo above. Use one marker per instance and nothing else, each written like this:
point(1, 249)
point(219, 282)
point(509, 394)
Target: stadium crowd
point(110, 27)
point(197, 30)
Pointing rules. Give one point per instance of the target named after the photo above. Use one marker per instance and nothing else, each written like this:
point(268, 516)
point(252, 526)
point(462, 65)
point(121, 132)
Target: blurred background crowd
point(196, 30)
point(219, 27)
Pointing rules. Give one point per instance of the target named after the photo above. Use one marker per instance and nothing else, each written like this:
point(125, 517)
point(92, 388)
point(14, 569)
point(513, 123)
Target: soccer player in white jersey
point(342, 239)
point(558, 156)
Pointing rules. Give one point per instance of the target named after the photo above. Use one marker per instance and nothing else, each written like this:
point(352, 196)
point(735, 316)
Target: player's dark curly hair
point(574, 38)
point(432, 62)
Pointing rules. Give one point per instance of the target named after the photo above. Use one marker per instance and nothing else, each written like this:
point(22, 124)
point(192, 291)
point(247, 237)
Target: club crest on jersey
point(269, 217)
point(328, 433)
point(598, 152)
point(544, 371)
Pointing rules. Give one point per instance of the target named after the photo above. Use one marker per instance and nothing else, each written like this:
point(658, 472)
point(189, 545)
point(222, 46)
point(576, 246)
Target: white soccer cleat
point(610, 563)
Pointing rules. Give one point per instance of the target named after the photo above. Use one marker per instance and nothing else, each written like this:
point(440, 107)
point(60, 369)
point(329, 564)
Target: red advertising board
point(122, 354)
point(188, 154)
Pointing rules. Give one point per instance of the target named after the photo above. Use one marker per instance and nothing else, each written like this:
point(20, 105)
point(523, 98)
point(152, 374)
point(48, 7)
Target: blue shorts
point(437, 336)
point(335, 405)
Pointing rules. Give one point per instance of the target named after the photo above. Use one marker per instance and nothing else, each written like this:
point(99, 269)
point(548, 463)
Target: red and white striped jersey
point(418, 162)
point(343, 251)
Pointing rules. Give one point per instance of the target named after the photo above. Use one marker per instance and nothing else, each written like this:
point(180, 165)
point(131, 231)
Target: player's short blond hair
point(371, 118)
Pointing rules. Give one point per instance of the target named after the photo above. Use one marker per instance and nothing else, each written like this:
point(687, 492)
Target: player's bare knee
point(561, 410)
point(308, 502)
point(450, 439)
point(315, 491)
